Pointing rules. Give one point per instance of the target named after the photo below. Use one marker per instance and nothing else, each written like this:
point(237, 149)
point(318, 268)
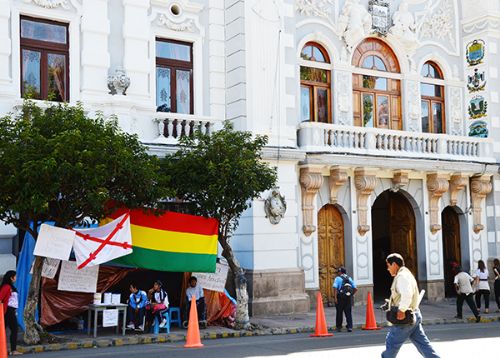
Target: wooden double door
point(330, 249)
point(451, 248)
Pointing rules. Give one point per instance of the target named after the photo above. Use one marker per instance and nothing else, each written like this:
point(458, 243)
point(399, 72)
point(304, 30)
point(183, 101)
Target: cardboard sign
point(213, 281)
point(50, 267)
point(72, 279)
point(54, 242)
point(110, 318)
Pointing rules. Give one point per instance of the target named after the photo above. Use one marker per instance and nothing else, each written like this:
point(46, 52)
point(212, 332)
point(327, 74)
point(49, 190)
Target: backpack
point(346, 288)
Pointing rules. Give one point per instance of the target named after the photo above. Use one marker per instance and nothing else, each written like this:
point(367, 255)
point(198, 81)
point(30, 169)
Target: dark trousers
point(11, 323)
point(486, 295)
point(200, 308)
point(136, 317)
point(470, 301)
point(497, 292)
point(343, 306)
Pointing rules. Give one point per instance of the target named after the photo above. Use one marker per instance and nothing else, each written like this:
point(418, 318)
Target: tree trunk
point(240, 283)
point(32, 333)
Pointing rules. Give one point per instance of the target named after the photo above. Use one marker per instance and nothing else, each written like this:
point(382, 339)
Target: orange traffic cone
point(3, 338)
point(321, 328)
point(193, 335)
point(371, 323)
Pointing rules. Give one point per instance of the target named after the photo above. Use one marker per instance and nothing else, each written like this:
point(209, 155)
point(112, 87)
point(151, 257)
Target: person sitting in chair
point(197, 291)
point(136, 307)
point(158, 299)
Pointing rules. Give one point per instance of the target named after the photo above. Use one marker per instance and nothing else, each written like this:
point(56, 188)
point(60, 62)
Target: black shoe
point(478, 319)
point(458, 317)
point(349, 329)
point(339, 329)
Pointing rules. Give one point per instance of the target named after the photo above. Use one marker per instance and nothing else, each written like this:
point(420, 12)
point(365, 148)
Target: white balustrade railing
point(322, 137)
point(173, 126)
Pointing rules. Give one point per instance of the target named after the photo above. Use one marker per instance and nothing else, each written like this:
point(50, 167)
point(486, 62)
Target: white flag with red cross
point(104, 243)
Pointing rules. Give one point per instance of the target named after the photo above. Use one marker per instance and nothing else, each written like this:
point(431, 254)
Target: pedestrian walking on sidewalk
point(405, 296)
point(483, 287)
point(496, 272)
point(9, 300)
point(465, 293)
point(344, 289)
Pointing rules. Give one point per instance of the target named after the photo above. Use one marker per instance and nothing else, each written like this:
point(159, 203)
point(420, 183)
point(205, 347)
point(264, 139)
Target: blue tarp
point(23, 281)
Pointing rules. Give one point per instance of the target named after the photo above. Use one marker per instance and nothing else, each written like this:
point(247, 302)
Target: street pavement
point(441, 313)
point(451, 340)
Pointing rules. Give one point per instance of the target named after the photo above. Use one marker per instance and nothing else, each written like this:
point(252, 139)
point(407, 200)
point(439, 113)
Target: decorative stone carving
point(479, 187)
point(405, 28)
point(437, 184)
point(338, 177)
point(275, 207)
point(187, 25)
point(456, 111)
point(399, 180)
point(439, 23)
point(119, 82)
point(355, 23)
point(50, 4)
point(414, 106)
point(381, 16)
point(457, 183)
point(319, 8)
point(310, 181)
point(364, 182)
point(344, 99)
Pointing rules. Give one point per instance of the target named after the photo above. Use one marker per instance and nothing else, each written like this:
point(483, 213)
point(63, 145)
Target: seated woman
point(197, 291)
point(158, 299)
point(136, 307)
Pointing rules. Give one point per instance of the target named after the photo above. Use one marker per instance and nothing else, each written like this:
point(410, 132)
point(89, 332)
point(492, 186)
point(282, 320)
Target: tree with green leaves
point(58, 164)
point(220, 174)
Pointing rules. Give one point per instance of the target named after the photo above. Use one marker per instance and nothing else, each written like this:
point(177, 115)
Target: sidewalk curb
point(174, 337)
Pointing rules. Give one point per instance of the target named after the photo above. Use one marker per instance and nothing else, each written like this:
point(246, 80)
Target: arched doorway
point(393, 222)
point(330, 248)
point(451, 248)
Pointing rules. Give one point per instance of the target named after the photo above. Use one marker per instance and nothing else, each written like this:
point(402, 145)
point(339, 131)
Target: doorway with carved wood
point(331, 249)
point(394, 230)
point(451, 248)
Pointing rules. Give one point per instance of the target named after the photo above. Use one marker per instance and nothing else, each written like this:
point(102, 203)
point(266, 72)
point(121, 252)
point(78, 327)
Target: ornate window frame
point(431, 100)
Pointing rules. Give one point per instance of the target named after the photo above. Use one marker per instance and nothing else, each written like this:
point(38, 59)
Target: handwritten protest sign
point(110, 318)
point(50, 267)
point(213, 281)
point(54, 242)
point(72, 279)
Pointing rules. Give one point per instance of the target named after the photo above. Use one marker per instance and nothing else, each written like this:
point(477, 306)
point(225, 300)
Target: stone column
point(365, 181)
point(480, 187)
point(94, 56)
point(310, 181)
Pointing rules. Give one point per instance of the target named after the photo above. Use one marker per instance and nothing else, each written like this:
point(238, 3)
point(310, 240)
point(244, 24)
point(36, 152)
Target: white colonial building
point(382, 118)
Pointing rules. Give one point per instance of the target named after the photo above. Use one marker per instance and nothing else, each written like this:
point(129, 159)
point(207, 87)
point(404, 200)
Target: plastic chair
point(177, 318)
point(156, 327)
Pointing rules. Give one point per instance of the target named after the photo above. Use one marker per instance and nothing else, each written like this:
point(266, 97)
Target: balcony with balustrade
point(333, 138)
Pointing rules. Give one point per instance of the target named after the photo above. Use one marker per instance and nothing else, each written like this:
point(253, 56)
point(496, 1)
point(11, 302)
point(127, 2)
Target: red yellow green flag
point(171, 242)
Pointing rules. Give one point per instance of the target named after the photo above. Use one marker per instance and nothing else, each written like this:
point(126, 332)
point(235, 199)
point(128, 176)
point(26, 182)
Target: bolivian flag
point(171, 242)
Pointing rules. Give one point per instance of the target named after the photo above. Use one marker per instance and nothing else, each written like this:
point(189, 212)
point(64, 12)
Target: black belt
point(483, 279)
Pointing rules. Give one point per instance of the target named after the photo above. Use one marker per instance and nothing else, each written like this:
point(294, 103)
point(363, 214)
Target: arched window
point(432, 91)
point(376, 86)
point(315, 82)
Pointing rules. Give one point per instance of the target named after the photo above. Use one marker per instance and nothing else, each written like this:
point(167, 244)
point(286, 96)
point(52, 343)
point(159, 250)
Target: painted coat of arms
point(477, 81)
point(478, 129)
point(478, 107)
point(381, 16)
point(475, 52)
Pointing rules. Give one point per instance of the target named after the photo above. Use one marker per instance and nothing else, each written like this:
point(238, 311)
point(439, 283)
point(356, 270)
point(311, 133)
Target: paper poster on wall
point(213, 281)
point(54, 242)
point(50, 267)
point(110, 318)
point(72, 279)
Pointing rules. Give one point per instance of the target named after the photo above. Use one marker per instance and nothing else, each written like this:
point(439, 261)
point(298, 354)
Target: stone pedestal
point(361, 297)
point(277, 292)
point(434, 290)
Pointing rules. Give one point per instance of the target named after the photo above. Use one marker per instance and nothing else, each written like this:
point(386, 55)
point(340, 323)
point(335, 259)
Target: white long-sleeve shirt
point(404, 290)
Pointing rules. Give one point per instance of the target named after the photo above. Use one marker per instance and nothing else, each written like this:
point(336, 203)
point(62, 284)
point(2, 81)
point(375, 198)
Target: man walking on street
point(405, 296)
point(343, 292)
point(463, 286)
